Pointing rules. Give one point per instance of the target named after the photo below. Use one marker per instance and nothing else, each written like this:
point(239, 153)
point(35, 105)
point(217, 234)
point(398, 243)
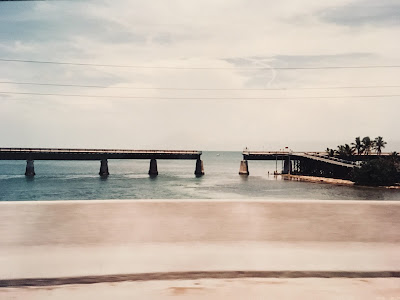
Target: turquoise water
point(69, 180)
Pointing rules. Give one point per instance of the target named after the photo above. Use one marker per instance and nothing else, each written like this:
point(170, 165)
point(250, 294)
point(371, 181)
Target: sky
point(201, 75)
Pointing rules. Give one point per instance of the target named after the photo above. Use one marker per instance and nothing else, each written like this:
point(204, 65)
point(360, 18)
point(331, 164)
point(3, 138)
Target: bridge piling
point(102, 155)
point(287, 166)
point(199, 171)
point(153, 167)
point(104, 168)
point(30, 168)
point(244, 168)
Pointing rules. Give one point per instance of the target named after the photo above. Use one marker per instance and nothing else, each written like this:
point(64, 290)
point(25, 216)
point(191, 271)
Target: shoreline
point(335, 181)
point(315, 179)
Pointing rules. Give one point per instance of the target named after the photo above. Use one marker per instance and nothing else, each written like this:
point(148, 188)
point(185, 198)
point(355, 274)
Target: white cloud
point(222, 34)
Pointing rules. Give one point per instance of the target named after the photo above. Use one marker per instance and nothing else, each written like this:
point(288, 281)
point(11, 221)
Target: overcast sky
point(238, 43)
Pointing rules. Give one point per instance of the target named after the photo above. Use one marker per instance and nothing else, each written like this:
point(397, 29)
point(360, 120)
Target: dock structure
point(102, 155)
point(302, 163)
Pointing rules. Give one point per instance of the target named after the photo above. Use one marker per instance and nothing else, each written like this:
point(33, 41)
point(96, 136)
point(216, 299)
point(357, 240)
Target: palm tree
point(345, 151)
point(358, 146)
point(348, 150)
point(366, 145)
point(379, 143)
point(340, 151)
point(330, 152)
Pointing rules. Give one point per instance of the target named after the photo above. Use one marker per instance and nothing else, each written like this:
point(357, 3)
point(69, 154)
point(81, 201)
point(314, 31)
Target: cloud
point(229, 35)
point(360, 13)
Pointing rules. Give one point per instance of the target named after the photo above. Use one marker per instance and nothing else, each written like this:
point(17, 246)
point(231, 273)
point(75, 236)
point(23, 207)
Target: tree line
point(378, 171)
point(360, 146)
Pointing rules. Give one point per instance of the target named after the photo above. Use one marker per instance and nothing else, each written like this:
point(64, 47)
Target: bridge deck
point(93, 154)
point(282, 155)
point(271, 155)
point(330, 160)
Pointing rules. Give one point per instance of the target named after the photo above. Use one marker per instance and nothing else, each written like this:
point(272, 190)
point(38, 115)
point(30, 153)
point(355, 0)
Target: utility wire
point(199, 98)
point(198, 68)
point(202, 89)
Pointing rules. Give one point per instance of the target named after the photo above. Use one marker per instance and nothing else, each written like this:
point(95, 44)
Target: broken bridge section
point(301, 163)
point(102, 155)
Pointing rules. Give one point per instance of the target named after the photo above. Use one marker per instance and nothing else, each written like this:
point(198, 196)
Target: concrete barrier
point(85, 241)
point(153, 221)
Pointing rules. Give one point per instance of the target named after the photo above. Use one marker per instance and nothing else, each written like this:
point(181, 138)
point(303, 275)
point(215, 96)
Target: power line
point(202, 89)
point(198, 68)
point(200, 98)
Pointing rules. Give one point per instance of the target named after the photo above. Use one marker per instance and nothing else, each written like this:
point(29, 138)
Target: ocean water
point(70, 180)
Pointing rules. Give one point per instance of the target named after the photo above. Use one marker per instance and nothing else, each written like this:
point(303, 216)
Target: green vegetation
point(379, 144)
point(359, 147)
point(367, 145)
point(380, 171)
point(345, 151)
point(377, 172)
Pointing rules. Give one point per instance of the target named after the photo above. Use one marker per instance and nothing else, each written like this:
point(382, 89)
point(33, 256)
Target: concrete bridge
point(303, 163)
point(32, 154)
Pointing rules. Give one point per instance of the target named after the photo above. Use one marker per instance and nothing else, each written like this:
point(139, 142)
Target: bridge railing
point(65, 150)
point(322, 153)
point(331, 158)
point(267, 152)
point(317, 155)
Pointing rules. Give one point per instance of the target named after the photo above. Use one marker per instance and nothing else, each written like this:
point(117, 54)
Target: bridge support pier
point(287, 166)
point(30, 168)
point(244, 168)
point(153, 167)
point(199, 171)
point(104, 168)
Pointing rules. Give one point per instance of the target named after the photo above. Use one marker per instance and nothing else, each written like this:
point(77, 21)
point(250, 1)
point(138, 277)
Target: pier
point(304, 163)
point(102, 155)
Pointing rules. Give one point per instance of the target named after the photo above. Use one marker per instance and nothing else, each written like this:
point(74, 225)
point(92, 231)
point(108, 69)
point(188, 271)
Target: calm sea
point(69, 180)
